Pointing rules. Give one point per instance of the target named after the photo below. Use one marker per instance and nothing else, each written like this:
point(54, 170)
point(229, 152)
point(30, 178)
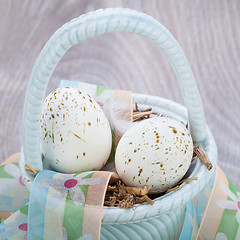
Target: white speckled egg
point(75, 133)
point(156, 152)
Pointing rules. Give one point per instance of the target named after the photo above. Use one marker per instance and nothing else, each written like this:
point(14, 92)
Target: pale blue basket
point(165, 218)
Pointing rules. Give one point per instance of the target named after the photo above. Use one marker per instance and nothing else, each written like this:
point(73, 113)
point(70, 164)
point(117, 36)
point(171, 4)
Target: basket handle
point(93, 24)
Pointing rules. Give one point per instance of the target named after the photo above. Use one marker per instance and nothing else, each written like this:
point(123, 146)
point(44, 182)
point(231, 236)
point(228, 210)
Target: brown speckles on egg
point(56, 108)
point(89, 124)
point(163, 148)
point(45, 135)
point(156, 163)
point(52, 132)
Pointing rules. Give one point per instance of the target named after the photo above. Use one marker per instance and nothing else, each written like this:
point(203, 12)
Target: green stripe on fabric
point(101, 89)
point(24, 209)
point(229, 225)
point(73, 218)
point(4, 174)
point(88, 176)
point(112, 154)
point(73, 215)
point(232, 187)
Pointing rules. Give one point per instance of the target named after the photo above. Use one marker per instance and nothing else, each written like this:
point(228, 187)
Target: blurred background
point(208, 32)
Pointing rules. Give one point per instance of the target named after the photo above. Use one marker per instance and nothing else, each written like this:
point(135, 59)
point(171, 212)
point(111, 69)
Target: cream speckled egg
point(75, 133)
point(156, 152)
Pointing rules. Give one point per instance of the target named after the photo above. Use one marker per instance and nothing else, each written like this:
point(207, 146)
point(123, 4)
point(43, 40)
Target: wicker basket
point(165, 218)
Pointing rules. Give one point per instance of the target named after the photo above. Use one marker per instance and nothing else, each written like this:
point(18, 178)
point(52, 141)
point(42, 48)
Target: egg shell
point(75, 133)
point(156, 152)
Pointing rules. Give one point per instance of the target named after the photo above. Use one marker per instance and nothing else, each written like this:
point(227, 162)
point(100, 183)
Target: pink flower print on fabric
point(23, 226)
point(13, 188)
point(16, 229)
point(71, 183)
point(100, 104)
point(233, 204)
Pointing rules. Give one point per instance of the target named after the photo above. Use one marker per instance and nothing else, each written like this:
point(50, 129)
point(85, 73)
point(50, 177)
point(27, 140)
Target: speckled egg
point(75, 133)
point(156, 152)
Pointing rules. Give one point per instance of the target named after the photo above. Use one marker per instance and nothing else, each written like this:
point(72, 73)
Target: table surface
point(208, 32)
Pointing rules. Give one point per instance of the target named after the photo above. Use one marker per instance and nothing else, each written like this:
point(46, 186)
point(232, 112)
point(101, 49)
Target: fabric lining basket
point(165, 218)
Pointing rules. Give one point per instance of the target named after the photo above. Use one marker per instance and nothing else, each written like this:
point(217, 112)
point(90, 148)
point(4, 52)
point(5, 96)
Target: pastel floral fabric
point(233, 203)
point(69, 183)
point(16, 226)
point(58, 201)
point(11, 185)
